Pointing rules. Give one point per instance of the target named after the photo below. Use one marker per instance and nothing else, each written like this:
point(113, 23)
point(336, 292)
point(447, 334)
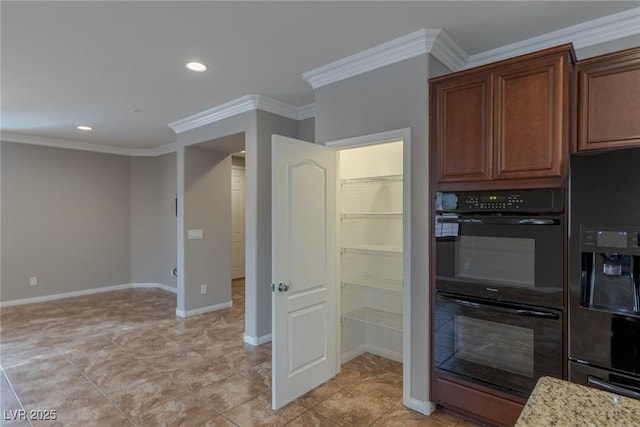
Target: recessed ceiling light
point(242, 152)
point(85, 127)
point(196, 66)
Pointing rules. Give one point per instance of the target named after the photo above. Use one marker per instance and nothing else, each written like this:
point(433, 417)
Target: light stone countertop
point(555, 402)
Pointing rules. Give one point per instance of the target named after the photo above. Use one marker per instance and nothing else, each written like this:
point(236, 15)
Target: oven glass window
point(496, 345)
point(496, 259)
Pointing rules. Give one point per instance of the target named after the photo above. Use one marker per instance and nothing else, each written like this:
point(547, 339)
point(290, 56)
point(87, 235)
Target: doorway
point(207, 224)
point(365, 289)
point(238, 215)
point(375, 200)
point(371, 255)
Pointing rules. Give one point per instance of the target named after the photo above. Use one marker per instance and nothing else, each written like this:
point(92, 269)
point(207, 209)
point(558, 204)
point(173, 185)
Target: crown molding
point(238, 106)
point(165, 149)
point(63, 143)
point(274, 106)
point(405, 47)
point(154, 152)
point(222, 111)
point(85, 146)
point(442, 47)
point(307, 111)
point(590, 33)
point(427, 40)
point(607, 28)
point(448, 52)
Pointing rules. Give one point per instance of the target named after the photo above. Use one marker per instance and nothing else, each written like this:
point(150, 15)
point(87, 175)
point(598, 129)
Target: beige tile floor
point(123, 358)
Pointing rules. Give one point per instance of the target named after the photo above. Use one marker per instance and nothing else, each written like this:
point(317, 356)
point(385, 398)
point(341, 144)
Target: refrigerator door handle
point(614, 388)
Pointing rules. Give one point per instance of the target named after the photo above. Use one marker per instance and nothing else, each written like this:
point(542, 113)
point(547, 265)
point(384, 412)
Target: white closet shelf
point(394, 285)
point(372, 215)
point(372, 316)
point(372, 179)
point(384, 250)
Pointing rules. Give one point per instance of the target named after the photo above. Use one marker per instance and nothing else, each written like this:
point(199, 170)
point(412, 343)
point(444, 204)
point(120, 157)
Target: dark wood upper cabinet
point(505, 124)
point(609, 100)
point(464, 151)
point(529, 108)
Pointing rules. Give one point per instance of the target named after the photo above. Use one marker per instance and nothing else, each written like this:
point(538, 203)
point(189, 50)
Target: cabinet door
point(463, 129)
point(609, 101)
point(530, 119)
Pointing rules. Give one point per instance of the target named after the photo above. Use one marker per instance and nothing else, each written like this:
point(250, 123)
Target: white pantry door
point(304, 297)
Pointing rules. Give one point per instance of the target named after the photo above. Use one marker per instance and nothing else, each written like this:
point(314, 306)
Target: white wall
point(207, 202)
point(307, 130)
point(66, 219)
point(153, 219)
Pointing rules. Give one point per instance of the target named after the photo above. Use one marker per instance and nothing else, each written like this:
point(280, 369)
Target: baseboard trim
point(54, 297)
point(425, 408)
point(154, 285)
point(368, 348)
point(256, 341)
point(203, 310)
point(388, 354)
point(352, 354)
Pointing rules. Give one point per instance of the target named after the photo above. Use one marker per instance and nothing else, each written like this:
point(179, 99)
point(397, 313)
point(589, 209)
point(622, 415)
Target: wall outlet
point(203, 289)
point(33, 281)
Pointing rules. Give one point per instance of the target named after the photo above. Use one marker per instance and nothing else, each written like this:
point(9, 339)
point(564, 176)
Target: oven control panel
point(493, 202)
point(545, 200)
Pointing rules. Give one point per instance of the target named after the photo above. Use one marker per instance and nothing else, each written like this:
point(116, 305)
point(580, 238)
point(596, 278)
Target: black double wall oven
point(499, 287)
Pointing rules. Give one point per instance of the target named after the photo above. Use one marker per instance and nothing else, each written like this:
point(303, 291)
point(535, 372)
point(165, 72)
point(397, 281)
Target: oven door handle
point(502, 308)
point(499, 221)
point(614, 388)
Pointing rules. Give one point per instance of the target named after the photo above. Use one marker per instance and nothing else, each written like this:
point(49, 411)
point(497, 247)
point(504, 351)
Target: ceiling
point(119, 66)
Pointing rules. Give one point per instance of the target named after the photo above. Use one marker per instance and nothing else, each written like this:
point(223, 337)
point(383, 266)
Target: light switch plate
point(195, 234)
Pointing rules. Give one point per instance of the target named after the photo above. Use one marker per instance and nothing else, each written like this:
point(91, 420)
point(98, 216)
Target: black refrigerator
point(604, 270)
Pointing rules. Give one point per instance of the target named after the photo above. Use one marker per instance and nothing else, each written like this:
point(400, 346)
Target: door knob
point(281, 287)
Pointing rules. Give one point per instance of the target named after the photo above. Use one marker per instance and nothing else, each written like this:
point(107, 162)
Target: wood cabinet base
point(477, 404)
